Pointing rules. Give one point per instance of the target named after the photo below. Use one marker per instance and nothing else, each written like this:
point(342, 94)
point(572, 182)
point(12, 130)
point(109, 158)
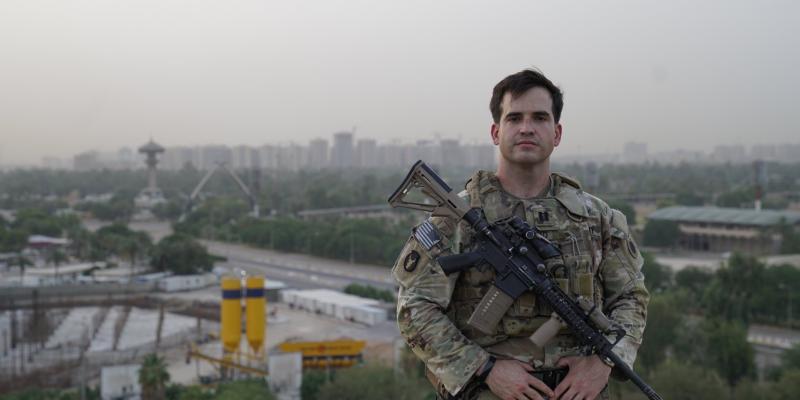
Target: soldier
point(601, 258)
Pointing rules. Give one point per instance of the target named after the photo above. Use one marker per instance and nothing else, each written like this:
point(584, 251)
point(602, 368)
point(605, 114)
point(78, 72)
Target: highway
point(296, 270)
point(300, 270)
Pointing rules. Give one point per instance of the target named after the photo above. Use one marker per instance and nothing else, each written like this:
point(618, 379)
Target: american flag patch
point(427, 235)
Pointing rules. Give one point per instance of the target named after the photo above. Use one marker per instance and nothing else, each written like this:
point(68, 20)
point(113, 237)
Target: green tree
point(369, 292)
point(12, 240)
point(728, 350)
point(312, 382)
point(368, 382)
point(663, 320)
point(255, 389)
point(657, 276)
point(626, 209)
point(685, 198)
point(661, 233)
point(22, 262)
point(678, 381)
point(181, 255)
point(694, 280)
point(789, 385)
point(790, 238)
point(731, 291)
point(790, 359)
point(153, 377)
point(737, 198)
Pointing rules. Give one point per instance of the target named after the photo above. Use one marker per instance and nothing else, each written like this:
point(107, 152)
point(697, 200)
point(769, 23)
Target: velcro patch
point(427, 235)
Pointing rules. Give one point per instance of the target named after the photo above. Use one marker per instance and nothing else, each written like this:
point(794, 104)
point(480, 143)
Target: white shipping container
point(335, 304)
point(184, 282)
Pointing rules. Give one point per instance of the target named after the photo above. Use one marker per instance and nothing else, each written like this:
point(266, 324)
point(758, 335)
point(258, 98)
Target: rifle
point(520, 256)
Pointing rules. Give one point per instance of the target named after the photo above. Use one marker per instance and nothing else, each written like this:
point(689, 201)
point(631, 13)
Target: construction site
point(56, 338)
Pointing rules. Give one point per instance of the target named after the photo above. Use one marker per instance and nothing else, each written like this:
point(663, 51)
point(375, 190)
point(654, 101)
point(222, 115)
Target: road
point(299, 270)
point(296, 270)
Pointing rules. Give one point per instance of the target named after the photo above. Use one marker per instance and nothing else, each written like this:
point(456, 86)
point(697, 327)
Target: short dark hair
point(521, 82)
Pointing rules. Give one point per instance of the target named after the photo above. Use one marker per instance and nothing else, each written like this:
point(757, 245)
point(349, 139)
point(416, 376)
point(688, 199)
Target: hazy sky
point(79, 75)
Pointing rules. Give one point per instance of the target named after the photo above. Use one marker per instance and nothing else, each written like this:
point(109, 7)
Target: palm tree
point(153, 377)
point(22, 262)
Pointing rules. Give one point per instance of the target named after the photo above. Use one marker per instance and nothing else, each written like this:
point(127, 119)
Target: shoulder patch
point(427, 235)
point(410, 261)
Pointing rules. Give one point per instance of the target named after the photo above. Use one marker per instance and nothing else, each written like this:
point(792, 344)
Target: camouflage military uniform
point(602, 263)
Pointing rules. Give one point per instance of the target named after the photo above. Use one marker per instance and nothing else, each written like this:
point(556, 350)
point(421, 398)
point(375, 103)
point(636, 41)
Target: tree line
point(115, 243)
point(287, 192)
point(695, 344)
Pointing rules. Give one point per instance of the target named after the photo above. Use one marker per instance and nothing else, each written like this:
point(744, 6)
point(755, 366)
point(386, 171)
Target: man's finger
point(527, 367)
point(532, 394)
point(565, 361)
point(569, 395)
point(541, 387)
point(563, 387)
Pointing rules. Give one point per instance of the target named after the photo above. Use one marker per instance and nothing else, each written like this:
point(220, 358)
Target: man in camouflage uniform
point(601, 259)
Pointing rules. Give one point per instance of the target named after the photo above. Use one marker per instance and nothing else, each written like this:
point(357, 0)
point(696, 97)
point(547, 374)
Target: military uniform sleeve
point(625, 296)
point(423, 297)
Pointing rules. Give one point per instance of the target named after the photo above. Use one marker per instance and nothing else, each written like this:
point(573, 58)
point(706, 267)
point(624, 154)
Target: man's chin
point(527, 160)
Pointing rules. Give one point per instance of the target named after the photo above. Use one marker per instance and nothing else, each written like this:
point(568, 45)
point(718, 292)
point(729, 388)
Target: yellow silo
point(256, 312)
point(231, 315)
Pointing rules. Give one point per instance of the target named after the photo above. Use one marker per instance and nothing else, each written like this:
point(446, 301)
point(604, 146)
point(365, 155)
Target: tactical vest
point(567, 217)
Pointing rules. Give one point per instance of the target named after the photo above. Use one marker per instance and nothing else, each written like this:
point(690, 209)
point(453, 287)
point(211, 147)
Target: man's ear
point(495, 132)
point(557, 139)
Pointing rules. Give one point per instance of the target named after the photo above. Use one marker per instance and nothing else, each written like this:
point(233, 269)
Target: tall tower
point(151, 149)
point(151, 195)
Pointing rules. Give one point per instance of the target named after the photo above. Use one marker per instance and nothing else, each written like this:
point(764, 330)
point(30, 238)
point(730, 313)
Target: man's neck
point(524, 182)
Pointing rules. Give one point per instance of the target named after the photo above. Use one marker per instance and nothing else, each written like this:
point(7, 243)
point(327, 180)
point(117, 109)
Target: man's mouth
point(527, 142)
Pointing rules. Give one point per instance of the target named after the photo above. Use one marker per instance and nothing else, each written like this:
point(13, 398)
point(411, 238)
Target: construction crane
point(190, 202)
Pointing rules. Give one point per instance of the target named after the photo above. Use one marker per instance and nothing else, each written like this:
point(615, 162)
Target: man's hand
point(587, 376)
point(511, 380)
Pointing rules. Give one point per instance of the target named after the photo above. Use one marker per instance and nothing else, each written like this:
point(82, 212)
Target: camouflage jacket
point(603, 263)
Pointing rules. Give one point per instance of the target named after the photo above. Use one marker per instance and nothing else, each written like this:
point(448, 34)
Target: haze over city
point(85, 75)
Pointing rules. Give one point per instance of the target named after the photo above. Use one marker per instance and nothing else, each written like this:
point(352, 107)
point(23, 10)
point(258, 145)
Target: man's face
point(527, 132)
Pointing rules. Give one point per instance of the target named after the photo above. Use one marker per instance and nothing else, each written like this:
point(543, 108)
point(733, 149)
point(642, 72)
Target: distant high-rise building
point(392, 155)
point(424, 150)
point(86, 161)
point(789, 153)
point(452, 155)
point(766, 152)
point(211, 155)
point(318, 154)
point(729, 154)
point(244, 157)
point(483, 156)
point(175, 158)
point(367, 153)
point(634, 152)
point(53, 163)
point(126, 158)
point(268, 156)
point(290, 157)
point(342, 151)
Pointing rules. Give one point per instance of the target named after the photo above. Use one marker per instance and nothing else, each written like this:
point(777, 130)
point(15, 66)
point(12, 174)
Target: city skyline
point(345, 149)
point(105, 74)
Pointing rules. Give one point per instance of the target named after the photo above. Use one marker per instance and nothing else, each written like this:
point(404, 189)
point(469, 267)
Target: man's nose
point(527, 126)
